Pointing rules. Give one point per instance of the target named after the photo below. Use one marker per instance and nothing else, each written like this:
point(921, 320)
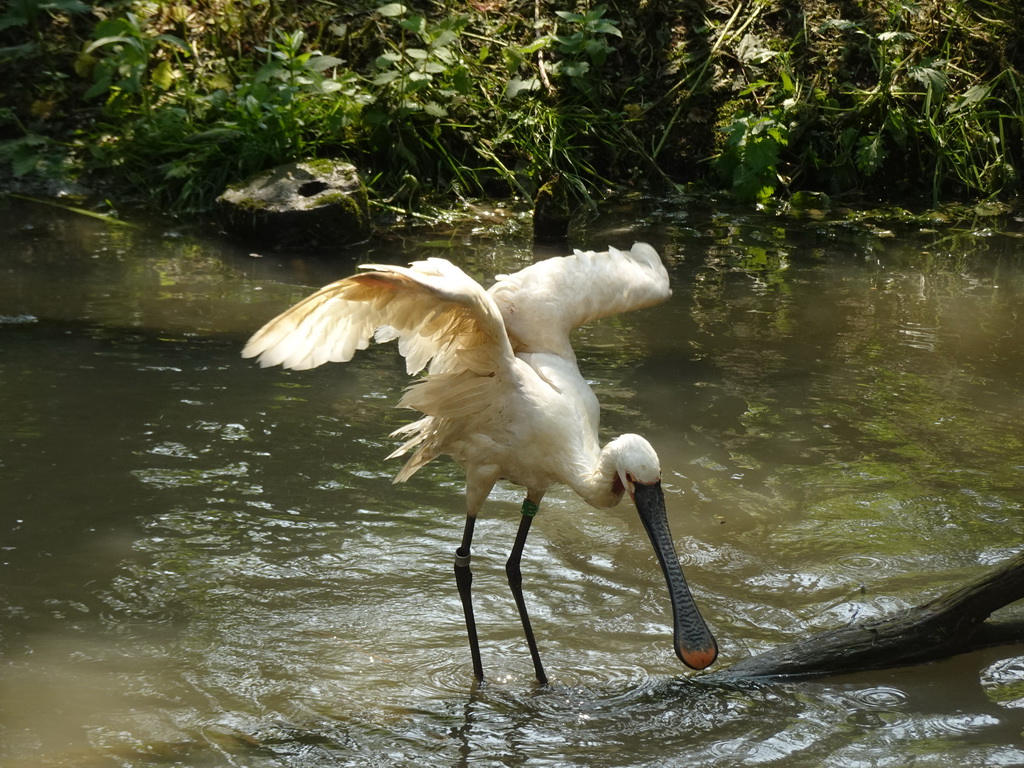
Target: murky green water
point(204, 564)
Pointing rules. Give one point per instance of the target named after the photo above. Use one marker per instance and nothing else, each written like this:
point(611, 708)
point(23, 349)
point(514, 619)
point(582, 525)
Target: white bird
point(502, 395)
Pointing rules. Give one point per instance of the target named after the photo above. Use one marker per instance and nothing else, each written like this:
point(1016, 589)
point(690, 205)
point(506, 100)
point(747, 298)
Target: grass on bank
point(170, 101)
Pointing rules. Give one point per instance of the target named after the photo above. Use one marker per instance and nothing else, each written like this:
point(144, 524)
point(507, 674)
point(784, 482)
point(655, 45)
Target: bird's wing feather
point(542, 303)
point(434, 309)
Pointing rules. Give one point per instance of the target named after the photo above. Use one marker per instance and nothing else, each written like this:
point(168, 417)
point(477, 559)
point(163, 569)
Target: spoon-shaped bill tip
point(698, 658)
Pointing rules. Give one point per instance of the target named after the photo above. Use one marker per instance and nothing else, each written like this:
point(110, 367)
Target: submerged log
point(947, 625)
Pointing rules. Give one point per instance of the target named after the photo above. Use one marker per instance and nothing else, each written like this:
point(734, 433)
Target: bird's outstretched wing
point(434, 309)
point(542, 303)
point(438, 314)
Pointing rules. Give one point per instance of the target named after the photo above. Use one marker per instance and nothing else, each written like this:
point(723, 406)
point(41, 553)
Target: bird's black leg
point(464, 580)
point(515, 581)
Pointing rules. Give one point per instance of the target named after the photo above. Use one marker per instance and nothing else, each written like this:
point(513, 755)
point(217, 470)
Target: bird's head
point(635, 462)
point(638, 471)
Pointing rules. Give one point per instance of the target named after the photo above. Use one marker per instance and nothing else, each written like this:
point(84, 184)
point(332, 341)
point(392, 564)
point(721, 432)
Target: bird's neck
point(599, 484)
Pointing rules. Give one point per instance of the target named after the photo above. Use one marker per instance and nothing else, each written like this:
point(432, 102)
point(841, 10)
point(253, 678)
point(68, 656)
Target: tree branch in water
point(947, 625)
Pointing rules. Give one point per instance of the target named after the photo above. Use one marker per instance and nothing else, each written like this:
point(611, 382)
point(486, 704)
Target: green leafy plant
point(920, 117)
point(26, 13)
point(291, 104)
point(586, 46)
point(28, 154)
point(125, 54)
point(423, 70)
point(751, 157)
point(421, 98)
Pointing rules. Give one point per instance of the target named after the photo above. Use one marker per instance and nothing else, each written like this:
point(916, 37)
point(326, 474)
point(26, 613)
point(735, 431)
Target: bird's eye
point(630, 478)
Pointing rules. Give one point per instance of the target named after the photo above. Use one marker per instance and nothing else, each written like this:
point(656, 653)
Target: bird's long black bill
point(694, 644)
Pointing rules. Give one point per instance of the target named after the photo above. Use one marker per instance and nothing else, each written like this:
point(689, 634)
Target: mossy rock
point(310, 204)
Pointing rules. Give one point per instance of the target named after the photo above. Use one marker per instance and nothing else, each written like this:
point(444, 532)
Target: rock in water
point(315, 204)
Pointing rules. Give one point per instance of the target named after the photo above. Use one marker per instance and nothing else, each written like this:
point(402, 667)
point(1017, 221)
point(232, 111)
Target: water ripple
point(877, 707)
point(1003, 682)
point(861, 562)
point(18, 319)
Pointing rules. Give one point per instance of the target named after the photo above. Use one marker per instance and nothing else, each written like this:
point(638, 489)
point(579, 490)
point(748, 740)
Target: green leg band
point(529, 508)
